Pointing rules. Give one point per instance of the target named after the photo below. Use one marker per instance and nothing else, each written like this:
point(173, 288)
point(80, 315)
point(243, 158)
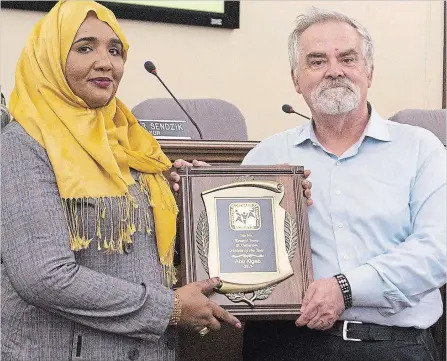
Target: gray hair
point(316, 15)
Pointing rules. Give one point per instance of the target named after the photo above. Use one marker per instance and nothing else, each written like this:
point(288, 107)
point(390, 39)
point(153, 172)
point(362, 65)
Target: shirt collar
point(377, 128)
point(304, 133)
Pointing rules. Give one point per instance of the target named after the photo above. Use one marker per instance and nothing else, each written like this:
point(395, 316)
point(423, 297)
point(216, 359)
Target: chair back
point(433, 120)
point(216, 118)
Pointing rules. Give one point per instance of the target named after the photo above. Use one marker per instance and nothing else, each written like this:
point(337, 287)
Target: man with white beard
point(377, 224)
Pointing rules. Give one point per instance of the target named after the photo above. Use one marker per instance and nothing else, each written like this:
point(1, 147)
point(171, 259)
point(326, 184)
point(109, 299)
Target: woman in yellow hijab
point(88, 220)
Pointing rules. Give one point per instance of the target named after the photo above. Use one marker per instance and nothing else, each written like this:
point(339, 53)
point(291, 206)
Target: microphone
point(286, 108)
point(150, 67)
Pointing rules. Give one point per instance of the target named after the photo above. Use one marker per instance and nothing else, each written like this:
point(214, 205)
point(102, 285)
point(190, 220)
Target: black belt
point(358, 331)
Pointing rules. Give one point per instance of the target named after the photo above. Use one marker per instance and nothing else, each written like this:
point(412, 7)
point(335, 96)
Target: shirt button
point(340, 225)
point(133, 354)
point(337, 192)
point(314, 144)
point(345, 258)
point(338, 163)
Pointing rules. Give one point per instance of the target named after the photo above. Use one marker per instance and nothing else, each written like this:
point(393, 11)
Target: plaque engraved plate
point(247, 248)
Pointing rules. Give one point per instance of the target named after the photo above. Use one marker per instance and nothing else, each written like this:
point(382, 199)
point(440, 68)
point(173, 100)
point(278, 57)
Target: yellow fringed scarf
point(91, 150)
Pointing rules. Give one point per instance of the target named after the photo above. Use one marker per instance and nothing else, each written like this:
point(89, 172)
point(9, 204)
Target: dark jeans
point(283, 341)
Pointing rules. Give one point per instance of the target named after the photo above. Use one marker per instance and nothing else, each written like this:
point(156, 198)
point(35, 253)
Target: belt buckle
point(345, 331)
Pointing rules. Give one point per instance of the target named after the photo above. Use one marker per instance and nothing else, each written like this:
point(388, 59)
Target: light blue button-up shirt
point(379, 216)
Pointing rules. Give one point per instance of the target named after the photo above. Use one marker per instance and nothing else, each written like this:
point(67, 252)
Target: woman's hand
point(198, 311)
point(179, 163)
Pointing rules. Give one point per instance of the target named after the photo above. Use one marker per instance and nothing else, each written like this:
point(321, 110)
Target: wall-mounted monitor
point(216, 14)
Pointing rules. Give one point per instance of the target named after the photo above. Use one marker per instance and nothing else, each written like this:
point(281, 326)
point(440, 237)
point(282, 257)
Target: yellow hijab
point(91, 150)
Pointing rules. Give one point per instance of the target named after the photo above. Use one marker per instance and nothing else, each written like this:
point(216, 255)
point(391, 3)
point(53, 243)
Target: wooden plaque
point(249, 226)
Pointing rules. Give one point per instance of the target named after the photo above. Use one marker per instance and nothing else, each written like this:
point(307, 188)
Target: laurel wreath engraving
point(202, 241)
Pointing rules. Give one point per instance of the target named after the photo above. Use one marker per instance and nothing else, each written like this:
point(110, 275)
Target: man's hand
point(322, 304)
point(179, 163)
point(307, 186)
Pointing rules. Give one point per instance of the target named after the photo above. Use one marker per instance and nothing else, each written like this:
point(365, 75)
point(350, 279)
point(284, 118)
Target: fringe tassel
point(169, 273)
point(113, 231)
point(122, 208)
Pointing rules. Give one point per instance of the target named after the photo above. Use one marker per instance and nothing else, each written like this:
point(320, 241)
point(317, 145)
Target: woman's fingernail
point(238, 325)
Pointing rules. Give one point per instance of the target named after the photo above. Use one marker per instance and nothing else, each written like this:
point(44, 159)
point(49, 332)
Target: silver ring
point(204, 331)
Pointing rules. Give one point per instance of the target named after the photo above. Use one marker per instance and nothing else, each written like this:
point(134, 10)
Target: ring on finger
point(204, 331)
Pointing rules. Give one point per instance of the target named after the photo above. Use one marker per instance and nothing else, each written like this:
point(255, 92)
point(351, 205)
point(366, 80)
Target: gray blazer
point(58, 305)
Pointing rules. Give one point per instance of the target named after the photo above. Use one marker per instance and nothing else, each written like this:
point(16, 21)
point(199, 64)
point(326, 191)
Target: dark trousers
point(283, 341)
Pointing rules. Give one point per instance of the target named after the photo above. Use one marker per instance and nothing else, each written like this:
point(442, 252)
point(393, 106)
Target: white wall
point(249, 66)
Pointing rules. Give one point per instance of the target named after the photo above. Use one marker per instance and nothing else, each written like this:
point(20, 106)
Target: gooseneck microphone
point(286, 108)
point(150, 67)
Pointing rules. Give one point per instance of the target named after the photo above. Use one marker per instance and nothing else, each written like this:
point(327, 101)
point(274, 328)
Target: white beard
point(335, 97)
